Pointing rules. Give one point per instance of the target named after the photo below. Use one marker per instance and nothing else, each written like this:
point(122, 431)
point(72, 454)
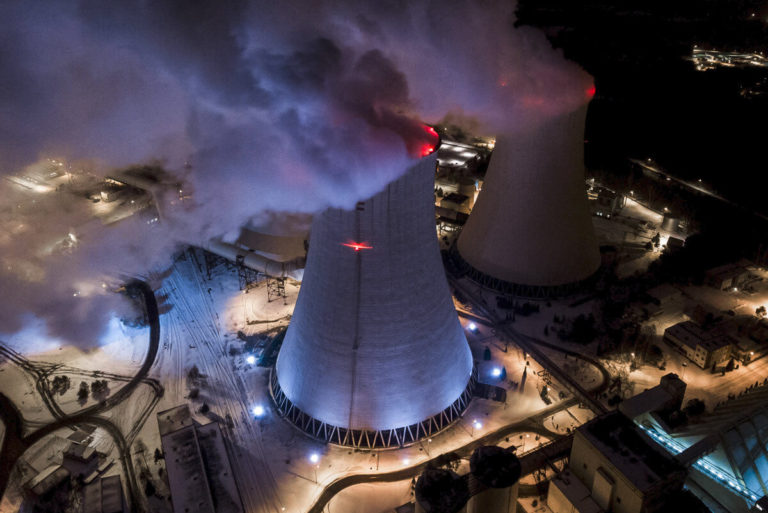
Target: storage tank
point(375, 356)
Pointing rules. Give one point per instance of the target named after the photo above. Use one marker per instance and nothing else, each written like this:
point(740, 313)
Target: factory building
point(375, 356)
point(614, 466)
point(200, 475)
point(704, 347)
point(530, 233)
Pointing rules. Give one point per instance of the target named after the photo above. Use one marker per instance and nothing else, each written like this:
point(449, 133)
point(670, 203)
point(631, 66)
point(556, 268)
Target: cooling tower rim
point(384, 439)
point(520, 290)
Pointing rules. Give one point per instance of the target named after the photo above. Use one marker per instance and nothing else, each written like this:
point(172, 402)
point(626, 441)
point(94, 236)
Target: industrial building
point(703, 347)
point(277, 250)
point(724, 450)
point(104, 495)
point(664, 398)
point(375, 356)
point(199, 472)
point(727, 276)
point(530, 233)
point(614, 466)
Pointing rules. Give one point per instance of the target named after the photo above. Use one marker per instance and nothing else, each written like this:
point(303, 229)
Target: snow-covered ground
point(200, 321)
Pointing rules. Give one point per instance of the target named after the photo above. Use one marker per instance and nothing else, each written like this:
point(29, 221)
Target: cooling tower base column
point(365, 438)
point(517, 289)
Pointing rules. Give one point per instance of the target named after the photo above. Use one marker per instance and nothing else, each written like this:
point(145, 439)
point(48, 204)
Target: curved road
point(14, 444)
point(532, 423)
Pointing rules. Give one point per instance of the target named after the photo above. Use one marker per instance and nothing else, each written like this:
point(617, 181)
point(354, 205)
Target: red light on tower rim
point(357, 246)
point(591, 91)
point(429, 148)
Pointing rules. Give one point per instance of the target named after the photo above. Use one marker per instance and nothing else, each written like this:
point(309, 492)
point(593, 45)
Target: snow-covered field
point(200, 321)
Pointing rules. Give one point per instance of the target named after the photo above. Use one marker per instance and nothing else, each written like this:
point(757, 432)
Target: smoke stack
point(375, 356)
point(497, 472)
point(530, 233)
point(441, 491)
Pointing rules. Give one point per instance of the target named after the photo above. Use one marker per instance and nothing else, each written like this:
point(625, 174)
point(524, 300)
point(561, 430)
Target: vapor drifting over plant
point(255, 106)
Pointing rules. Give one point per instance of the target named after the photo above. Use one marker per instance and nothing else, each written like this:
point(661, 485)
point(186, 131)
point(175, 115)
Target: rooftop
point(652, 399)
point(174, 419)
point(575, 491)
point(692, 335)
point(103, 496)
point(664, 291)
point(633, 454)
point(186, 473)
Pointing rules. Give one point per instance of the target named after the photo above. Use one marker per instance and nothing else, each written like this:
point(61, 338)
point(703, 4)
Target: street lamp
point(476, 424)
point(258, 411)
point(250, 359)
point(314, 458)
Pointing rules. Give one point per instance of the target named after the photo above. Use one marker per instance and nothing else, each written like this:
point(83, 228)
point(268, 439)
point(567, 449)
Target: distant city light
point(250, 359)
point(472, 327)
point(314, 457)
point(258, 410)
point(496, 372)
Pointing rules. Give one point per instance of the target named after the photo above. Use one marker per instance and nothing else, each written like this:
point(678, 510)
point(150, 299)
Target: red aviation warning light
point(591, 91)
point(357, 246)
point(429, 147)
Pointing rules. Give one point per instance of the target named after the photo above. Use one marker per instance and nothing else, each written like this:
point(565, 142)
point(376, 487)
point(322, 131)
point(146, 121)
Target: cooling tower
point(530, 233)
point(374, 355)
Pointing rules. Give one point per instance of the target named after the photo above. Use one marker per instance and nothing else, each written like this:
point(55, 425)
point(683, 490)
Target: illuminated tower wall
point(375, 355)
point(530, 232)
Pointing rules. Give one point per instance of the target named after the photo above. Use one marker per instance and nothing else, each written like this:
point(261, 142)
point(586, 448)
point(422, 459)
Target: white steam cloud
point(276, 106)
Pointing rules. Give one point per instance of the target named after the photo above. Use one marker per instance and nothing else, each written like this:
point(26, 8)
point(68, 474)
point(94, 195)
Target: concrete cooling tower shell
point(375, 355)
point(530, 233)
